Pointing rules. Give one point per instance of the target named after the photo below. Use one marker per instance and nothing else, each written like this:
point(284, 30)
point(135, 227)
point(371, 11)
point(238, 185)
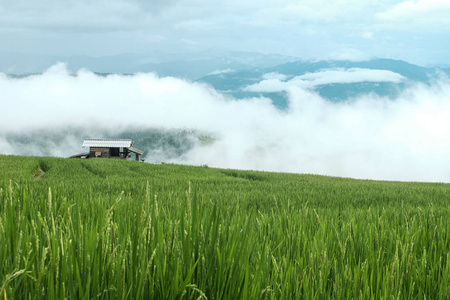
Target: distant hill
point(236, 73)
point(408, 70)
point(187, 65)
point(235, 83)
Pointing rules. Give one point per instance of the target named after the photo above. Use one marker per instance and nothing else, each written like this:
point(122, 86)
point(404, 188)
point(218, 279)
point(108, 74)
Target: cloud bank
point(375, 138)
point(276, 82)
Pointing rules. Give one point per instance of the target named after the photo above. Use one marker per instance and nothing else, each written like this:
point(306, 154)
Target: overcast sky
point(413, 30)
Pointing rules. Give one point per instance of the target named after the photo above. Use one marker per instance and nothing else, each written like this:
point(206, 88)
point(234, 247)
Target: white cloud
point(350, 76)
point(371, 138)
point(224, 71)
point(274, 75)
point(269, 86)
point(315, 11)
point(189, 42)
point(409, 9)
point(348, 53)
point(405, 139)
point(68, 16)
point(367, 35)
point(310, 80)
point(425, 12)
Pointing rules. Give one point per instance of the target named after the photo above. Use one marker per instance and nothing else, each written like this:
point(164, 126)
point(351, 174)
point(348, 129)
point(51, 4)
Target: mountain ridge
point(236, 74)
point(236, 83)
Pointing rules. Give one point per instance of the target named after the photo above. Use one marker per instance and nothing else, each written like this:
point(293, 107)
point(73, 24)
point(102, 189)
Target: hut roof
point(137, 151)
point(113, 143)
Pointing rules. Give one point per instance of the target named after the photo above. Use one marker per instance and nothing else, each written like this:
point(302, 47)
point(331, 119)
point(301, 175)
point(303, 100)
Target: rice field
point(113, 229)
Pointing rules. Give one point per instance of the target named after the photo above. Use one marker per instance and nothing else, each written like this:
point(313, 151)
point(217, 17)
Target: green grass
point(111, 229)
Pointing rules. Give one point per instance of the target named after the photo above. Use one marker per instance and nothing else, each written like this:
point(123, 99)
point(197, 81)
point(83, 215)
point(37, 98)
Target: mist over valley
point(376, 119)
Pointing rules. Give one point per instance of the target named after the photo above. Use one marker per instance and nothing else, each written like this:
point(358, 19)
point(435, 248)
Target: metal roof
point(107, 143)
point(137, 151)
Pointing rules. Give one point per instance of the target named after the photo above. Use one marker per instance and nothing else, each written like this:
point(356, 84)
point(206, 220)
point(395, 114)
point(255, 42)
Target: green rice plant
point(115, 229)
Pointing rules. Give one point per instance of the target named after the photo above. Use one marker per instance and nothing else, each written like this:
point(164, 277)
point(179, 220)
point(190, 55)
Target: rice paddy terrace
point(114, 229)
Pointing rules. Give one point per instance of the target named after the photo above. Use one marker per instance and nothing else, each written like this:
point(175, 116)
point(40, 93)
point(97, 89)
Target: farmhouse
point(109, 148)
